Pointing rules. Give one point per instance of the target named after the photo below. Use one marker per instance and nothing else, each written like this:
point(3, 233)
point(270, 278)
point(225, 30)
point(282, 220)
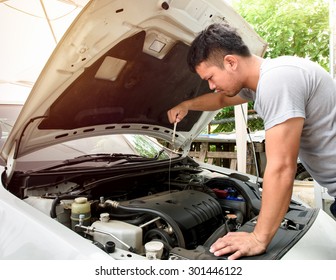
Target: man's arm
point(282, 146)
point(206, 102)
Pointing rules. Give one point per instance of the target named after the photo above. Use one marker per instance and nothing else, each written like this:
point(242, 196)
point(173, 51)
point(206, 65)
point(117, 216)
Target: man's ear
point(230, 61)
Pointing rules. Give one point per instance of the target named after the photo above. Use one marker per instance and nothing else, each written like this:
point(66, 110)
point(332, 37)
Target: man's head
point(214, 43)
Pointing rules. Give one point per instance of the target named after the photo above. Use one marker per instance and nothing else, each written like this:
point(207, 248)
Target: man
point(296, 99)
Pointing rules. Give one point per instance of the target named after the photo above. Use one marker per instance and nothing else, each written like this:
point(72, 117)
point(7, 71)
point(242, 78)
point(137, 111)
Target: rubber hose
point(57, 200)
point(169, 220)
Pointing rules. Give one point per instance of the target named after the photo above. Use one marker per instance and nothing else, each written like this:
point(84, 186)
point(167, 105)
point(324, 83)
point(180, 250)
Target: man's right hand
point(177, 113)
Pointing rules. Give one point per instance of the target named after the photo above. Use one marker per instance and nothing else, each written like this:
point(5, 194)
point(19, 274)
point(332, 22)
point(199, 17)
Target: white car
point(87, 173)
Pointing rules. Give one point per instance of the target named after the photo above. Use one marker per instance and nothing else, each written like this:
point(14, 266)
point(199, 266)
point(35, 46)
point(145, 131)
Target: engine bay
point(162, 213)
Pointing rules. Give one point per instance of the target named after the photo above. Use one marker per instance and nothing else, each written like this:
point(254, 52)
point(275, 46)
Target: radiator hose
point(168, 219)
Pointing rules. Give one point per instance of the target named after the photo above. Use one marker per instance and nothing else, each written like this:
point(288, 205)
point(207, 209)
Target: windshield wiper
point(159, 154)
point(123, 158)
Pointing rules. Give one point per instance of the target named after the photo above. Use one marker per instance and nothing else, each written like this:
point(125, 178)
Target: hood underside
point(142, 91)
point(118, 70)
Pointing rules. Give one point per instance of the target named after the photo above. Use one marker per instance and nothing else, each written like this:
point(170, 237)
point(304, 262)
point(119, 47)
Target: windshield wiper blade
point(159, 154)
point(132, 157)
point(99, 157)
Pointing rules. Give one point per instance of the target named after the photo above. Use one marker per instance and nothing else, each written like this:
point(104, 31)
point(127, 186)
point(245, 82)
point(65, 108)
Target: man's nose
point(212, 86)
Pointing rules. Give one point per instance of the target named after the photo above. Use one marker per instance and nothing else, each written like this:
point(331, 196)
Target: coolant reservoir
point(80, 206)
point(129, 234)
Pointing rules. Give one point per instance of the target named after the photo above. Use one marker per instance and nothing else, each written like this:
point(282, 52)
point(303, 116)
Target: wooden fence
point(223, 152)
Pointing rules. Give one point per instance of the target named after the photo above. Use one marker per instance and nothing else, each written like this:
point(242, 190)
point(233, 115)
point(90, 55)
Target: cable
point(19, 10)
point(36, 16)
point(48, 21)
point(167, 218)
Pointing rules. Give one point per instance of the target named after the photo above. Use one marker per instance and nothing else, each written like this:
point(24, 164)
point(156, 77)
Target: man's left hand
point(238, 244)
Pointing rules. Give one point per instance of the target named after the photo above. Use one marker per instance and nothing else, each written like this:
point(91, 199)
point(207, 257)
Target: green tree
point(289, 27)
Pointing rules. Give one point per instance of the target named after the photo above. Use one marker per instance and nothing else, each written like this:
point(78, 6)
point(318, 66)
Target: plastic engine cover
point(197, 213)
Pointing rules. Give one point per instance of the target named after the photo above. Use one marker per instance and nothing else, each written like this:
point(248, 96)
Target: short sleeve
point(281, 95)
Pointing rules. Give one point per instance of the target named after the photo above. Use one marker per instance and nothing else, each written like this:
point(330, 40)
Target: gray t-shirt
point(295, 87)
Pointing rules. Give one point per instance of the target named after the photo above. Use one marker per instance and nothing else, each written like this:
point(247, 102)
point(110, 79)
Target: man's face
point(223, 79)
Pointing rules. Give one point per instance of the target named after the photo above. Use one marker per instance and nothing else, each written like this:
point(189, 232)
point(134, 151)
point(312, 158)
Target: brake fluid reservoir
point(80, 206)
point(129, 234)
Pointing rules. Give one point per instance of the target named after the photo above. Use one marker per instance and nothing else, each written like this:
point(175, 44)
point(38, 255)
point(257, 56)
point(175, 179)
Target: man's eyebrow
point(205, 77)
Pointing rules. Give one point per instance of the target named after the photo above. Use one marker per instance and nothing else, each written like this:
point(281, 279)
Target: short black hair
point(215, 42)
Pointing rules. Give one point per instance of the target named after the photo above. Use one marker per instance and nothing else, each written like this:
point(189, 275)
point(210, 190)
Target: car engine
point(152, 214)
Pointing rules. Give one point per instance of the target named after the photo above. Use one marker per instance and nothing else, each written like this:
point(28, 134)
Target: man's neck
point(252, 71)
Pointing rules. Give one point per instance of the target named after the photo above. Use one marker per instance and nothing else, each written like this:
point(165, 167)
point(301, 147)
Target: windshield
point(121, 144)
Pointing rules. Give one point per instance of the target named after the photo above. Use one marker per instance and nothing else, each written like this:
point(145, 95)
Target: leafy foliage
point(228, 113)
point(298, 27)
point(289, 27)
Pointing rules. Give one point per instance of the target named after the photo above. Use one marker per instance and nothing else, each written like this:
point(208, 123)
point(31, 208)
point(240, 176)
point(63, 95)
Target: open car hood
point(118, 69)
